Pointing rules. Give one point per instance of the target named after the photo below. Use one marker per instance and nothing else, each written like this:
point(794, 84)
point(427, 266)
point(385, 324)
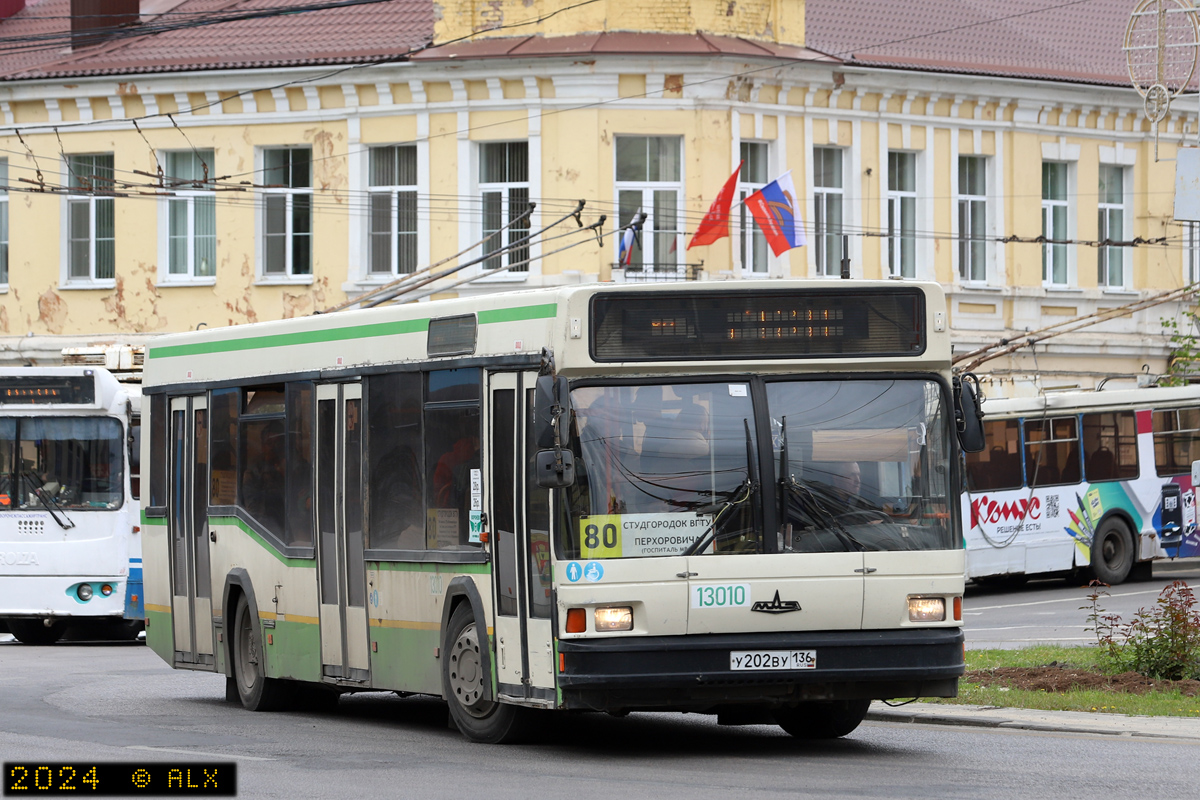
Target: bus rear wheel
point(824, 720)
point(478, 718)
point(36, 632)
point(1112, 553)
point(256, 691)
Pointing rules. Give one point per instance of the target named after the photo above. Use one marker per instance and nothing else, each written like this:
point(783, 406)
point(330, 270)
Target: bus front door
point(518, 528)
point(342, 573)
point(191, 583)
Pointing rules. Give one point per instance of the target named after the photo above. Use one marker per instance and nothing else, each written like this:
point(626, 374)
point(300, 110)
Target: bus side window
point(135, 456)
point(158, 452)
point(1110, 446)
point(997, 466)
point(1176, 440)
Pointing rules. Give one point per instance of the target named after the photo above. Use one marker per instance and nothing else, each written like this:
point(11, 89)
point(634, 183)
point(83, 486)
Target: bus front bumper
point(694, 672)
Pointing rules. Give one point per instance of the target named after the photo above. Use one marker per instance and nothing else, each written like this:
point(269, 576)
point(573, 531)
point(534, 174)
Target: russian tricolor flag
point(776, 209)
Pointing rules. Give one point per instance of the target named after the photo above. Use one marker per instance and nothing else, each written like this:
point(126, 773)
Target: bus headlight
point(614, 619)
point(84, 591)
point(926, 609)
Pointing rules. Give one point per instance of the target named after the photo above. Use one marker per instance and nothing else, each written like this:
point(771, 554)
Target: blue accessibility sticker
point(593, 572)
point(574, 571)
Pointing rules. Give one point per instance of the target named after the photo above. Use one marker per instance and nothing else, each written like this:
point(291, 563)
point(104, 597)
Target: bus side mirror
point(552, 412)
point(968, 414)
point(555, 468)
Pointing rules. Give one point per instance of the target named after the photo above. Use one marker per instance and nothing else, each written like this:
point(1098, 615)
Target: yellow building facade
point(286, 191)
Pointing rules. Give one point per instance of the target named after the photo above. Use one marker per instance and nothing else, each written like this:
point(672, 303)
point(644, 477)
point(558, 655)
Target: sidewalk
point(1034, 720)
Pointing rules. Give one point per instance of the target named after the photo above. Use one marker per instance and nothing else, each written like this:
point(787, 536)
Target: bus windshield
point(75, 462)
point(673, 468)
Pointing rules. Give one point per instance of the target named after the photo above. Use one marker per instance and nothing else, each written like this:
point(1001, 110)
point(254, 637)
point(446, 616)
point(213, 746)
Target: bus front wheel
point(824, 720)
point(477, 717)
point(1112, 553)
point(34, 631)
point(256, 691)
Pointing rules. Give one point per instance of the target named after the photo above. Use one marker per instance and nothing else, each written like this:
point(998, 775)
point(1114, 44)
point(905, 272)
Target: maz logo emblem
point(776, 606)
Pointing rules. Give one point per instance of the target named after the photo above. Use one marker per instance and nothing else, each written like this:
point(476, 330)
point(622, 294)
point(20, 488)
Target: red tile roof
point(1051, 39)
point(34, 43)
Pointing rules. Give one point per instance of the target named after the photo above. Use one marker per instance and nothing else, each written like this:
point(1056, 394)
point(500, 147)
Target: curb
point(1177, 728)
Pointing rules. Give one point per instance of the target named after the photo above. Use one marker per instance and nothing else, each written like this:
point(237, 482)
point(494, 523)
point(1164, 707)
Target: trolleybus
point(1095, 481)
point(70, 547)
point(715, 499)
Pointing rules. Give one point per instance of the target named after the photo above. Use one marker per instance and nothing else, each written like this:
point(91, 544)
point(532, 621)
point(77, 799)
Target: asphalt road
point(1052, 610)
point(120, 703)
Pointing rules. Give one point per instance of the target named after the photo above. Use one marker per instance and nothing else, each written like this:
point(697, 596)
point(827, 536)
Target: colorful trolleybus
point(1096, 481)
point(70, 547)
point(726, 500)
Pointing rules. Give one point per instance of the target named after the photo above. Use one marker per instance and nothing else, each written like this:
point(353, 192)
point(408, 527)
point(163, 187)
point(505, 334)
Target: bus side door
point(519, 529)
point(187, 520)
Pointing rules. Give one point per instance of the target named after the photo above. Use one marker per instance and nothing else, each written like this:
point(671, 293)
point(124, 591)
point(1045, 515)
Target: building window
point(972, 218)
point(1054, 222)
point(752, 244)
point(191, 215)
point(902, 214)
point(648, 180)
point(504, 186)
point(1110, 263)
point(287, 203)
point(828, 197)
point(3, 221)
point(91, 238)
point(393, 192)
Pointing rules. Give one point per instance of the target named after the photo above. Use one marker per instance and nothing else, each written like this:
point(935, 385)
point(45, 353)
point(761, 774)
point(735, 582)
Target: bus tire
point(256, 691)
point(1112, 552)
point(823, 720)
point(36, 632)
point(476, 717)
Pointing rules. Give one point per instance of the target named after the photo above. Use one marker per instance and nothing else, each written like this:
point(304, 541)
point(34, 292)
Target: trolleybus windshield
point(663, 467)
point(73, 462)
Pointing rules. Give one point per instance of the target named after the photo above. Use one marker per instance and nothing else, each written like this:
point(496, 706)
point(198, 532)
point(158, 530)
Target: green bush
point(1162, 642)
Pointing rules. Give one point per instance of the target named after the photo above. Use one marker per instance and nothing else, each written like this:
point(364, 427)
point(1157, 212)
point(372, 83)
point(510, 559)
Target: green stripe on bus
point(518, 314)
point(152, 520)
point(545, 311)
point(308, 563)
point(430, 566)
point(288, 339)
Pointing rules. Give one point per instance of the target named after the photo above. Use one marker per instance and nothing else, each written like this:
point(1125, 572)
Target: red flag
point(715, 224)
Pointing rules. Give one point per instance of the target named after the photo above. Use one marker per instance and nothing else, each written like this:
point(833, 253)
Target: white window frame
point(393, 191)
point(1105, 211)
point(290, 193)
point(509, 235)
point(895, 204)
point(4, 226)
point(92, 200)
point(964, 253)
point(823, 196)
point(188, 194)
point(649, 245)
point(748, 233)
point(1067, 154)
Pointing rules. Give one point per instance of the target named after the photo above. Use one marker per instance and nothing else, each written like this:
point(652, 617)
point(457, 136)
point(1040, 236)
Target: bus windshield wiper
point(47, 501)
point(790, 484)
point(748, 489)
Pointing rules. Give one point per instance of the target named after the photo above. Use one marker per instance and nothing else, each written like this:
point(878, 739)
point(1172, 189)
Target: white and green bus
point(711, 498)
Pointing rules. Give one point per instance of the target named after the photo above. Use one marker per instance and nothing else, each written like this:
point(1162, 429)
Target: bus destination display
point(759, 324)
point(120, 779)
point(48, 389)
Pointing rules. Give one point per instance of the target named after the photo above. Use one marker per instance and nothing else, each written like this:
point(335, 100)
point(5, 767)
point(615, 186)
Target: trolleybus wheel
point(34, 631)
point(1112, 553)
point(478, 718)
point(825, 720)
point(256, 691)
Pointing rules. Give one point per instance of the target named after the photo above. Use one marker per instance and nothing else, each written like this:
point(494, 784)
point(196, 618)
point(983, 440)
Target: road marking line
point(193, 752)
point(1061, 600)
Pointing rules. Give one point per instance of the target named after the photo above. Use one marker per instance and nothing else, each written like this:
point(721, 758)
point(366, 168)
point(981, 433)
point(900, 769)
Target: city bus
point(1096, 482)
point(70, 546)
point(739, 501)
